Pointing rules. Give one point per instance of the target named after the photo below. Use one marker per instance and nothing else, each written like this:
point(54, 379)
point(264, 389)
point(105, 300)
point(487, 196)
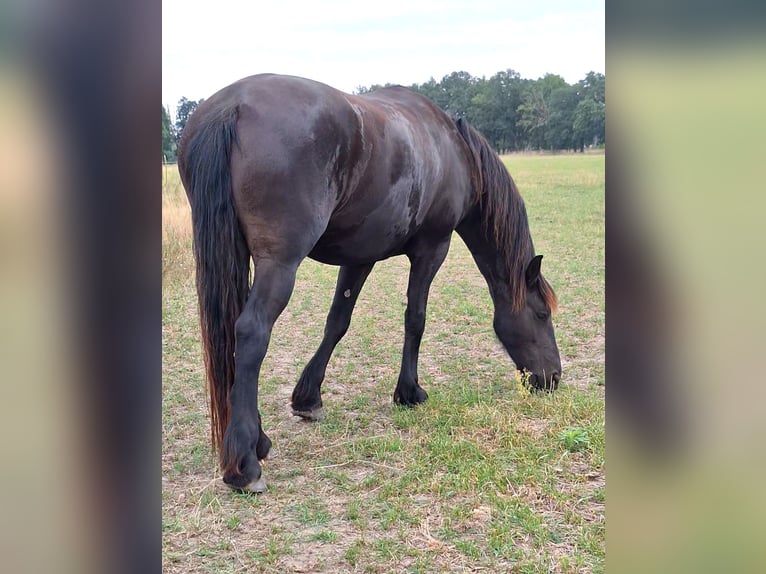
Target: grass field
point(482, 477)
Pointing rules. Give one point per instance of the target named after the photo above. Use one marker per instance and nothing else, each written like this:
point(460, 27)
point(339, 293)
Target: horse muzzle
point(542, 382)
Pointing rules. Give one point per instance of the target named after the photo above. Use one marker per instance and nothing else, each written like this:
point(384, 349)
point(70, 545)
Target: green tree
point(545, 113)
point(168, 137)
point(455, 93)
point(559, 131)
point(364, 90)
point(588, 122)
point(429, 89)
point(183, 111)
point(593, 86)
point(534, 113)
point(505, 89)
point(492, 108)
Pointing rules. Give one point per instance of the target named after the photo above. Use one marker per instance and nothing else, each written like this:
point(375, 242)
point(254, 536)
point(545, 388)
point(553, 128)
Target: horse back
point(349, 178)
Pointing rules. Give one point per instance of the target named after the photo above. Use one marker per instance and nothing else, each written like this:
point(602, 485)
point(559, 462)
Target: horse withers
point(280, 168)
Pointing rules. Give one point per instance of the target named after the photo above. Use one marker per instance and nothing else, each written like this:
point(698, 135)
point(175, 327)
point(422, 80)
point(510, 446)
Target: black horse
point(280, 168)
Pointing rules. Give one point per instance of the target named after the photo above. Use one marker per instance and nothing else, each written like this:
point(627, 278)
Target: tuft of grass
point(354, 552)
point(311, 513)
point(325, 536)
point(232, 522)
point(278, 546)
point(574, 439)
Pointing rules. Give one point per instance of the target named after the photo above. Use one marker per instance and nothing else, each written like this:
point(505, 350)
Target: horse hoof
point(410, 399)
point(316, 414)
point(254, 486)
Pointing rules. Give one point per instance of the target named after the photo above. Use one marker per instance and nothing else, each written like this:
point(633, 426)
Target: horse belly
point(370, 240)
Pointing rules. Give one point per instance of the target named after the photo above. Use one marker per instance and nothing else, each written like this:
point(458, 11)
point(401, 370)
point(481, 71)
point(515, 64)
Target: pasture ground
point(483, 477)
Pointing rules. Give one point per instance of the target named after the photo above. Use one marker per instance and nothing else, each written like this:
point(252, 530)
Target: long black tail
point(221, 255)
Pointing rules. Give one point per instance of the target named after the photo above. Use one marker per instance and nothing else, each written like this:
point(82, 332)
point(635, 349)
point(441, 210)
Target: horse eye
point(543, 315)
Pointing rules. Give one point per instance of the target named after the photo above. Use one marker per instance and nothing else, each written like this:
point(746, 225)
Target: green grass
point(484, 475)
point(574, 439)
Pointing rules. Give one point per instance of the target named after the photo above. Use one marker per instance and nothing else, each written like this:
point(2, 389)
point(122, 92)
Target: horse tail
point(221, 255)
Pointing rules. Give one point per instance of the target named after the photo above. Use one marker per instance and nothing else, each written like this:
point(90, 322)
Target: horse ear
point(533, 270)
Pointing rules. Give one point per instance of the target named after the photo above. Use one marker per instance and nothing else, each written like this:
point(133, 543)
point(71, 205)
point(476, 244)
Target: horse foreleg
point(424, 263)
point(245, 443)
point(306, 398)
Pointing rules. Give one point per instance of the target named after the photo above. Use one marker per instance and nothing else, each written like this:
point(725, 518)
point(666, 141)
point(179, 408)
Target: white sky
point(207, 45)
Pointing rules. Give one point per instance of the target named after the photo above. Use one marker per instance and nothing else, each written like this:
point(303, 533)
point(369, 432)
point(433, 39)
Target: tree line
point(517, 114)
point(512, 112)
point(171, 131)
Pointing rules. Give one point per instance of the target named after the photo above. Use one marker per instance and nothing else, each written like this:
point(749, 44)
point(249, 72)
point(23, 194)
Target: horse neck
point(487, 256)
point(496, 229)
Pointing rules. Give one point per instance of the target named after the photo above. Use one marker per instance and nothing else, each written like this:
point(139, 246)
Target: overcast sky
point(349, 43)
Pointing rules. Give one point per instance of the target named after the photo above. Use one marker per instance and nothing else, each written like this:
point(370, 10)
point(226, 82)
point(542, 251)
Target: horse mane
point(504, 217)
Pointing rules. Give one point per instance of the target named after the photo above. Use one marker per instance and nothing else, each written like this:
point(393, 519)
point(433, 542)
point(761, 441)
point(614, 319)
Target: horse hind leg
point(245, 443)
point(306, 397)
point(424, 263)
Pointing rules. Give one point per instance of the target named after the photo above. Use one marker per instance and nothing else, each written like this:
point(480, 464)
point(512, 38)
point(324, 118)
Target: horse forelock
point(504, 216)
